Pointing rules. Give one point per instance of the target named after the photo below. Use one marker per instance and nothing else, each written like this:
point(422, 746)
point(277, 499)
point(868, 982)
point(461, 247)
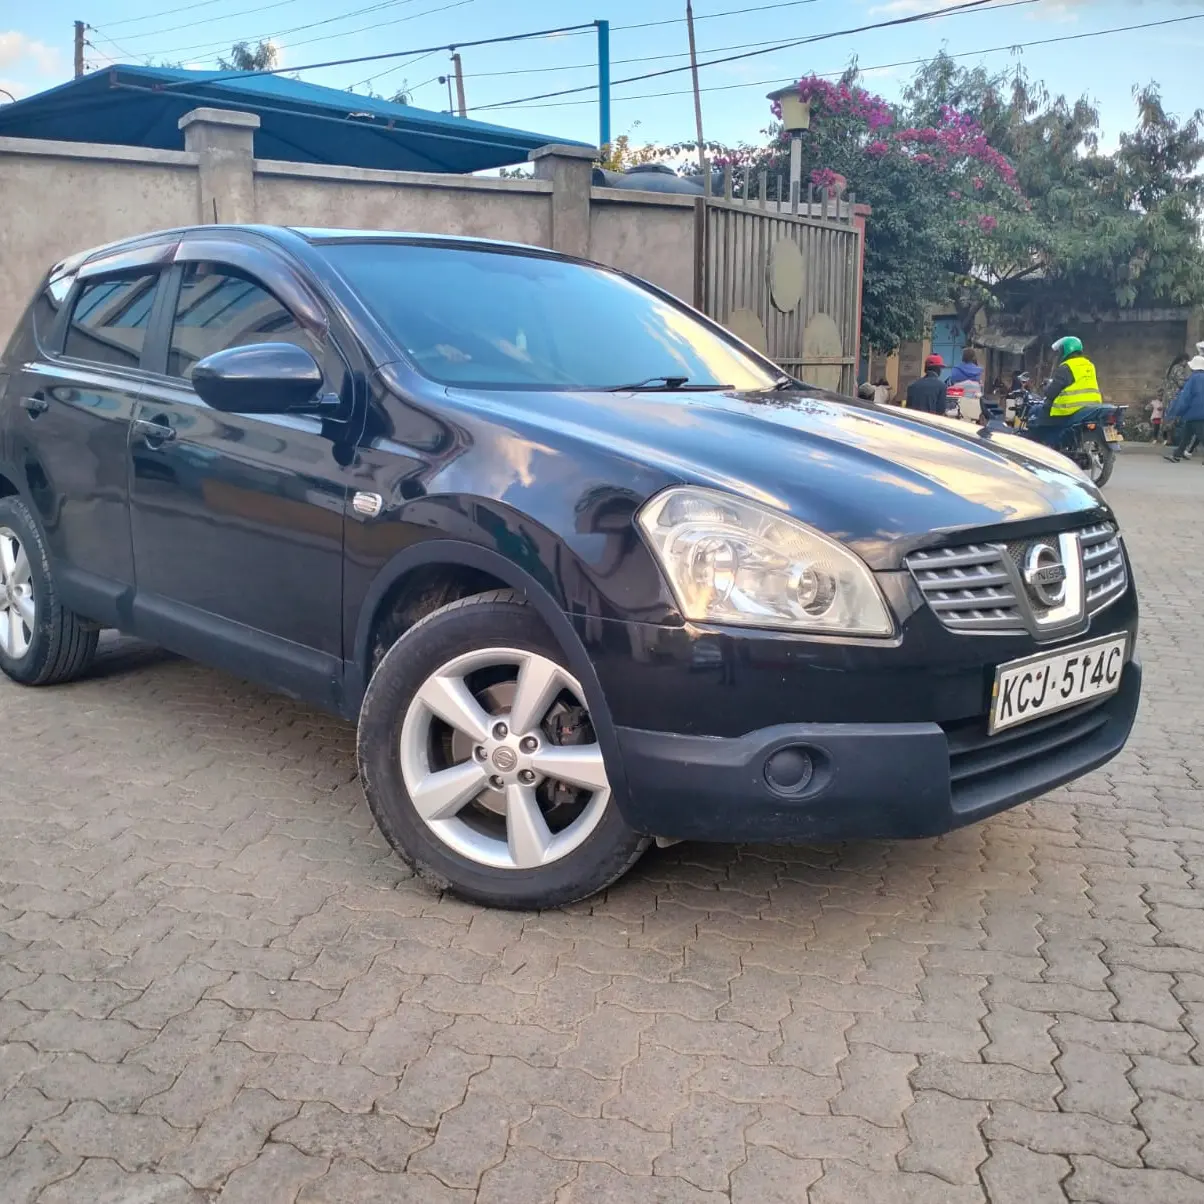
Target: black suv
point(586, 569)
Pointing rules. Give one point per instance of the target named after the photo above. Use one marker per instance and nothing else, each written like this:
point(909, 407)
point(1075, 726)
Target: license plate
point(1054, 681)
point(1112, 435)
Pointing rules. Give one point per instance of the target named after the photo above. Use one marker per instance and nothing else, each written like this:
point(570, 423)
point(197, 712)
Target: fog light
point(789, 770)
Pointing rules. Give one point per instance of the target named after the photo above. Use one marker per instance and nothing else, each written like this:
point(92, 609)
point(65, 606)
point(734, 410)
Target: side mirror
point(263, 378)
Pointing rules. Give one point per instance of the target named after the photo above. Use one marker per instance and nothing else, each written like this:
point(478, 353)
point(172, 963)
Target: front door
point(238, 520)
point(70, 434)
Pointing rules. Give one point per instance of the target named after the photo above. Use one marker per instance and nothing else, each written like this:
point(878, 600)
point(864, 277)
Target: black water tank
point(647, 177)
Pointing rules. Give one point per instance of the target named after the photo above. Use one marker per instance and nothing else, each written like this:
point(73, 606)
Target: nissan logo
point(505, 759)
point(1045, 575)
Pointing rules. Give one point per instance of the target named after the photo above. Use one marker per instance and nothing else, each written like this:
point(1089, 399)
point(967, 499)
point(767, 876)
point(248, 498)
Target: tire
point(58, 646)
point(1106, 460)
point(484, 835)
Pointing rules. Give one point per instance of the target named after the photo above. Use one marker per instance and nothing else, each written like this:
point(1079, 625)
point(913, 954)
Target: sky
point(646, 36)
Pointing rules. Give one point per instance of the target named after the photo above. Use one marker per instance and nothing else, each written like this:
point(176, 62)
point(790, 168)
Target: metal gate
point(787, 282)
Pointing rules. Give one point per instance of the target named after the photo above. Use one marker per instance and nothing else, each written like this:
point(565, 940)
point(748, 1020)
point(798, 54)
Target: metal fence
point(785, 276)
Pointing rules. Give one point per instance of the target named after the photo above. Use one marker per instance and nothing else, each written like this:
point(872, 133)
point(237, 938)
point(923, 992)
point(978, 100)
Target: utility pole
point(459, 70)
point(603, 85)
point(702, 151)
point(79, 49)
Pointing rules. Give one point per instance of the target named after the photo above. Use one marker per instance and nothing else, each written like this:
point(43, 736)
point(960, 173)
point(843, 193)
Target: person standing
point(928, 395)
point(1156, 409)
point(1172, 386)
point(1187, 411)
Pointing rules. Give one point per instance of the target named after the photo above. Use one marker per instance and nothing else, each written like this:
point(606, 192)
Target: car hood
point(874, 477)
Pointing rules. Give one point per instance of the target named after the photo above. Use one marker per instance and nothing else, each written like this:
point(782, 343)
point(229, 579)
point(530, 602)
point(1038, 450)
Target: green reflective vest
point(1082, 391)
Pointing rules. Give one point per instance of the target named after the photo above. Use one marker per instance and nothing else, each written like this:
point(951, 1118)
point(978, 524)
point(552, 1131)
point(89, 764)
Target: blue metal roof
point(300, 122)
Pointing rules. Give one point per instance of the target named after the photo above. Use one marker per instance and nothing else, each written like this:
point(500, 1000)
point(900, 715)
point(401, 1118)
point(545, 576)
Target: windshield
point(498, 320)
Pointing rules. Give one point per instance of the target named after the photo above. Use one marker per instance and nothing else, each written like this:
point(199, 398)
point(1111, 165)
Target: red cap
point(934, 361)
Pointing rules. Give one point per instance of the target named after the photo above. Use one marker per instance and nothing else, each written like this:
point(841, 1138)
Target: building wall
point(649, 235)
point(1132, 357)
point(60, 198)
point(298, 194)
point(57, 198)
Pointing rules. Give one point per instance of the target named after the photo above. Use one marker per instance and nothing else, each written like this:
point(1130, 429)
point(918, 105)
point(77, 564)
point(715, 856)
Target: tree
point(401, 96)
point(1096, 231)
point(264, 57)
point(938, 191)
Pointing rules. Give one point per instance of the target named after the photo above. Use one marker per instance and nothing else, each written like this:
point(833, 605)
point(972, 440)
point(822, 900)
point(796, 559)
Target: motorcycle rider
point(1074, 384)
point(928, 395)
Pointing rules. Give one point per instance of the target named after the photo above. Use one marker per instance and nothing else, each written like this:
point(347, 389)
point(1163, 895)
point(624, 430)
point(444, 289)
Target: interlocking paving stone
point(217, 984)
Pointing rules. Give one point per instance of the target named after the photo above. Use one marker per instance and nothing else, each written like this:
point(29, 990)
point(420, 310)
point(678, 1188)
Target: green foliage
point(988, 191)
point(1097, 231)
point(263, 57)
point(400, 96)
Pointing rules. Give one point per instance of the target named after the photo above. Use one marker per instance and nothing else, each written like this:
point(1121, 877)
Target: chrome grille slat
point(968, 588)
point(974, 588)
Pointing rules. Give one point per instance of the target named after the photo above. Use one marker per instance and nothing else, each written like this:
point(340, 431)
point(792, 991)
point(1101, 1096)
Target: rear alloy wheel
point(42, 643)
point(481, 764)
point(18, 610)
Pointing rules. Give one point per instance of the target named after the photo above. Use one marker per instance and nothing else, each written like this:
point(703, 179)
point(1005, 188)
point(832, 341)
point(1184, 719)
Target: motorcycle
point(1089, 438)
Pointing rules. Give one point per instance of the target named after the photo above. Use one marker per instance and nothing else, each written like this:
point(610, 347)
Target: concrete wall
point(650, 235)
point(60, 197)
point(1132, 357)
point(57, 198)
point(300, 194)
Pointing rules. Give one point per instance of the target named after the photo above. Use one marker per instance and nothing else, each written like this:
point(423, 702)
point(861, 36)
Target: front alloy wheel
point(499, 759)
point(480, 761)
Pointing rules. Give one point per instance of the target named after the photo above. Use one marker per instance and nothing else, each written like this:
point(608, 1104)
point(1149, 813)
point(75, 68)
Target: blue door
point(948, 341)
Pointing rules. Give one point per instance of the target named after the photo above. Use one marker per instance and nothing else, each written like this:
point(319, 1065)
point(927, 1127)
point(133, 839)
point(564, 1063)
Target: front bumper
point(896, 734)
point(869, 781)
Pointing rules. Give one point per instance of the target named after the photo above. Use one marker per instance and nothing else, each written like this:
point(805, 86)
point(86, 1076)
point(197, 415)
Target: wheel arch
point(496, 571)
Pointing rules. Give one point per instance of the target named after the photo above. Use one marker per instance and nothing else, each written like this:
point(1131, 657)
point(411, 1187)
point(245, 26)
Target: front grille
point(979, 762)
point(979, 587)
point(969, 588)
point(1103, 566)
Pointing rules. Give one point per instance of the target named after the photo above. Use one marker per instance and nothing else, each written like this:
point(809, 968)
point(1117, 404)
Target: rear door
point(69, 430)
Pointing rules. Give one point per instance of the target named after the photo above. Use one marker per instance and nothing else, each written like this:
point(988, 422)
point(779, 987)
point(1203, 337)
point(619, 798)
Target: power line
point(105, 37)
point(956, 10)
point(732, 12)
point(963, 54)
point(391, 54)
point(643, 58)
point(205, 48)
point(371, 8)
point(397, 67)
point(183, 8)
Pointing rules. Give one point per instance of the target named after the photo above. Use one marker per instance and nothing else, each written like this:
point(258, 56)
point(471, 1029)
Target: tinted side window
point(109, 319)
point(48, 306)
point(219, 307)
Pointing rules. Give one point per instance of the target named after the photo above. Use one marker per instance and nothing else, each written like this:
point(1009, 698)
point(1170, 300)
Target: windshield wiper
point(652, 382)
point(784, 382)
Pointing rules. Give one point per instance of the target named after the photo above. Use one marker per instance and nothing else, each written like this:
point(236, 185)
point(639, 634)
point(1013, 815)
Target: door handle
point(154, 432)
point(35, 405)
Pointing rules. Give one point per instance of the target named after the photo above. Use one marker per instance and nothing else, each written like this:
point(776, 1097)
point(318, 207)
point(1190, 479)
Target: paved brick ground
point(216, 983)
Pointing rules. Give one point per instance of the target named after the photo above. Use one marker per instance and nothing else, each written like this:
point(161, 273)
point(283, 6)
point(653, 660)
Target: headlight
point(730, 561)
